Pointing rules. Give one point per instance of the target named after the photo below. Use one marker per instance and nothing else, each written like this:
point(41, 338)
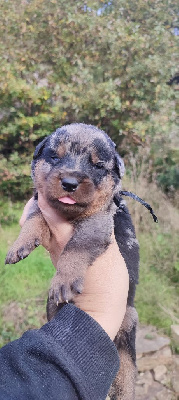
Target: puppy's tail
point(135, 197)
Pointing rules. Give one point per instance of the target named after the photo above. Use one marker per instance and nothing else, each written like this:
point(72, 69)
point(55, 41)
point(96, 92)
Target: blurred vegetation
point(105, 63)
point(157, 296)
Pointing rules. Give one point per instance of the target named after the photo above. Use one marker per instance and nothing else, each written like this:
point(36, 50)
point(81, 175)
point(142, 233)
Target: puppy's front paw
point(63, 291)
point(20, 251)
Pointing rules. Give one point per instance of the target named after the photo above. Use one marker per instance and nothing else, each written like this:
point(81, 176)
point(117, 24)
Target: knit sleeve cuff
point(90, 358)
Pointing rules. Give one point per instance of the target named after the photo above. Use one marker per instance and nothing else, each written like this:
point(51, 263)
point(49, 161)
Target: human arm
point(69, 358)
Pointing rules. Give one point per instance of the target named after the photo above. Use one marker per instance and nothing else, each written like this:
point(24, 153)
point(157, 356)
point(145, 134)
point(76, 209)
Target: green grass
point(24, 288)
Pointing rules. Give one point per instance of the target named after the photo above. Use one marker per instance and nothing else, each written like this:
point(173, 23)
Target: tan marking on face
point(42, 168)
point(94, 157)
point(61, 151)
point(102, 197)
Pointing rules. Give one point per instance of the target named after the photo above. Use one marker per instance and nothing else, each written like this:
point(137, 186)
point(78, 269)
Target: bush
point(106, 64)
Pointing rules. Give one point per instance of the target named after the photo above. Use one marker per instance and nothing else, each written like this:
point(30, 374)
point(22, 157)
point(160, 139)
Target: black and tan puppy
point(79, 173)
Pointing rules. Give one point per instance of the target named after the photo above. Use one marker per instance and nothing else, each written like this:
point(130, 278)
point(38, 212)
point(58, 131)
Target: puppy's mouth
point(66, 200)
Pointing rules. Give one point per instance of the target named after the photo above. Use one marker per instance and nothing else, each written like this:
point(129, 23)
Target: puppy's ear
point(39, 148)
point(119, 165)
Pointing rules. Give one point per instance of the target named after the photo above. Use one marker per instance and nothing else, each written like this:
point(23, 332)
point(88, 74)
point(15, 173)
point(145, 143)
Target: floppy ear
point(119, 164)
point(39, 148)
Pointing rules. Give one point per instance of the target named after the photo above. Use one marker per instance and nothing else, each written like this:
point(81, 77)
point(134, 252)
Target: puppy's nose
point(69, 184)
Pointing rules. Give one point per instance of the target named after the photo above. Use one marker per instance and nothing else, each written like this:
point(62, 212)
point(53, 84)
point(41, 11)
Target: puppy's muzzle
point(69, 184)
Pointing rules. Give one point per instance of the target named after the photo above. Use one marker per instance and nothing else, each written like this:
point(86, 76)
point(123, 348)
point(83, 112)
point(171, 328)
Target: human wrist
point(92, 356)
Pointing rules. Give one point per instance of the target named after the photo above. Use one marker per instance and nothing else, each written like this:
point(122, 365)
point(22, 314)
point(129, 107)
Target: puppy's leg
point(91, 238)
point(123, 388)
point(34, 232)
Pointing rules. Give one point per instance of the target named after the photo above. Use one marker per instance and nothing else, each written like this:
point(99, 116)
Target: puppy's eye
point(54, 157)
point(100, 164)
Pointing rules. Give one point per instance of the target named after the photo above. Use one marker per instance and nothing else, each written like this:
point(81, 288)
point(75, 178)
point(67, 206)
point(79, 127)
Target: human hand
point(105, 292)
point(106, 285)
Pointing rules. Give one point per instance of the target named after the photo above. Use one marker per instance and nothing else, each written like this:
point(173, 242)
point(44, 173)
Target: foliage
point(105, 63)
point(157, 293)
point(169, 179)
point(9, 214)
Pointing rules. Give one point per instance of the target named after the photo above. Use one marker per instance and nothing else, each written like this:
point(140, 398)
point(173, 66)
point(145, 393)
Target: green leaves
point(106, 63)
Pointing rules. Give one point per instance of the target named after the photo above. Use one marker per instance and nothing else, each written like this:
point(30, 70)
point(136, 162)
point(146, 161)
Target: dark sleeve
point(69, 358)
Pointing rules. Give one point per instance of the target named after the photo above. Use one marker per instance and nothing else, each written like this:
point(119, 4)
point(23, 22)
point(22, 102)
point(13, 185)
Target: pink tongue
point(67, 200)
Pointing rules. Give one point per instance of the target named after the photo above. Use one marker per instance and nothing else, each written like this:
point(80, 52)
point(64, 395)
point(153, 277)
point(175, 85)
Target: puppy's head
point(78, 170)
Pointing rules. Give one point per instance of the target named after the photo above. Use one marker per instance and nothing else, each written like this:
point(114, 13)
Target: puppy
point(78, 171)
